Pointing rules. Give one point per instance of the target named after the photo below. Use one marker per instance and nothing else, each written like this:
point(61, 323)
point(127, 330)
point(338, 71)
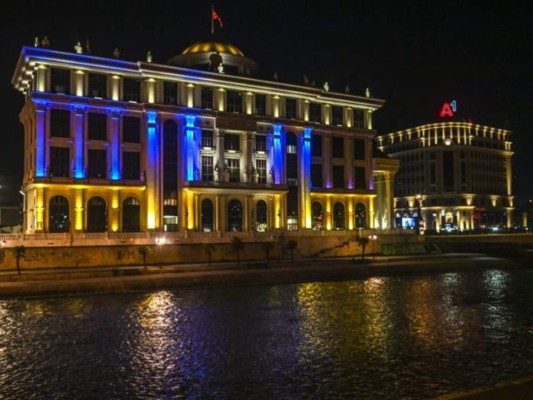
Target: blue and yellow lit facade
point(120, 146)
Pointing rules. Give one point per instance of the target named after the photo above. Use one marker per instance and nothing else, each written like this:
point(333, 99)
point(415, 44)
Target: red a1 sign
point(448, 109)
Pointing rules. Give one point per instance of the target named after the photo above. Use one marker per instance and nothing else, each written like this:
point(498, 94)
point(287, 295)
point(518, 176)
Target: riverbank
point(77, 281)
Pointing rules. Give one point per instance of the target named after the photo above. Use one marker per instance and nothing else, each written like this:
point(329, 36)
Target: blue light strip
point(39, 139)
point(152, 140)
point(115, 143)
point(306, 155)
point(190, 148)
point(277, 168)
point(79, 170)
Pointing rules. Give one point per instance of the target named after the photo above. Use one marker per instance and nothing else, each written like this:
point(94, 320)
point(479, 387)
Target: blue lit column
point(40, 132)
point(190, 149)
point(115, 144)
point(79, 114)
point(277, 166)
point(152, 162)
point(305, 173)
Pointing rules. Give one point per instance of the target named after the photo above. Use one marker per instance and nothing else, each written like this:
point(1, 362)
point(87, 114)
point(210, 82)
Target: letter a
point(446, 111)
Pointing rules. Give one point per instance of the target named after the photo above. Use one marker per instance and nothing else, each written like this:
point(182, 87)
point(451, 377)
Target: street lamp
point(160, 242)
point(373, 238)
point(419, 220)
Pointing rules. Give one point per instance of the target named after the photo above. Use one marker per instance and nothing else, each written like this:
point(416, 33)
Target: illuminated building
point(196, 144)
point(456, 174)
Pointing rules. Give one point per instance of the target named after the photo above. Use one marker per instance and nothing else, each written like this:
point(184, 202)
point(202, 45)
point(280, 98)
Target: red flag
point(216, 17)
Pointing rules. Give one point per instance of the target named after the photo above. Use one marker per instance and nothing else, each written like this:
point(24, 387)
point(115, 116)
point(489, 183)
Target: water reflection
point(384, 337)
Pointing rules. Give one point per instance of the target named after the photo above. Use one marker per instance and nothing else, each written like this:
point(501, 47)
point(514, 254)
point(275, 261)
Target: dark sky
point(415, 55)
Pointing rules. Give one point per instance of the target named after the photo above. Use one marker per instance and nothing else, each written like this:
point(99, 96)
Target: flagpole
point(212, 26)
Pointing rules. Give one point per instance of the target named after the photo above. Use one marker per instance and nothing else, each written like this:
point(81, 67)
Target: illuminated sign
point(448, 109)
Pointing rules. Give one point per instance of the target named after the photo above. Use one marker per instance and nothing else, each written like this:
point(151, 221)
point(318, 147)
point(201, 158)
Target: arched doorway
point(338, 216)
point(207, 215)
point(96, 215)
point(317, 215)
point(234, 215)
point(131, 215)
point(58, 217)
point(360, 216)
point(261, 216)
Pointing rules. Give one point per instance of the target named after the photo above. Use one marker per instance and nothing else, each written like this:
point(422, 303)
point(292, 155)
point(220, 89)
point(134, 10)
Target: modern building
point(195, 144)
point(453, 176)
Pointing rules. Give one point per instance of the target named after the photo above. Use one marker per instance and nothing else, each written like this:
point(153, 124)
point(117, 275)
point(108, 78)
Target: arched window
point(338, 216)
point(59, 220)
point(207, 215)
point(317, 215)
point(96, 215)
point(131, 215)
point(360, 216)
point(234, 215)
point(261, 216)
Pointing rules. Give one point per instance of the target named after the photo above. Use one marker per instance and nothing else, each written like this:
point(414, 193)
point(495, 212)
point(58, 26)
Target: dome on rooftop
point(215, 57)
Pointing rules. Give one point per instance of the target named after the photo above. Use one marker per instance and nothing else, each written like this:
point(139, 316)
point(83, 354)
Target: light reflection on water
point(385, 337)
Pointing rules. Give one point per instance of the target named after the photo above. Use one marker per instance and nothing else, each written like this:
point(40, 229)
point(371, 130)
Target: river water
point(413, 337)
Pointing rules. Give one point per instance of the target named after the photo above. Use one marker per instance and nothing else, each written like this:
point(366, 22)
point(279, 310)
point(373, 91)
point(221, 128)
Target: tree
point(291, 246)
point(143, 251)
point(237, 245)
point(267, 247)
point(208, 249)
point(18, 252)
point(363, 242)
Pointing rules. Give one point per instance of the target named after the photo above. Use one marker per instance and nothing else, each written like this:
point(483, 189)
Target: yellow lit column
point(326, 157)
point(348, 117)
point(249, 103)
point(216, 217)
point(41, 78)
point(78, 210)
point(328, 213)
point(150, 90)
point(115, 87)
point(371, 213)
point(275, 106)
point(190, 95)
point(79, 83)
point(277, 207)
point(39, 209)
point(508, 175)
point(368, 119)
point(306, 110)
point(114, 215)
point(350, 213)
point(327, 114)
point(221, 99)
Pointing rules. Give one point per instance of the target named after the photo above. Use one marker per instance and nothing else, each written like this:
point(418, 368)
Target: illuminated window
point(261, 167)
point(234, 170)
point(207, 139)
point(207, 168)
point(60, 81)
point(97, 126)
point(260, 143)
point(96, 215)
point(261, 216)
point(360, 216)
point(97, 85)
point(235, 215)
point(131, 130)
point(60, 123)
point(232, 142)
point(59, 162)
point(58, 217)
point(97, 164)
point(207, 215)
point(338, 216)
point(317, 216)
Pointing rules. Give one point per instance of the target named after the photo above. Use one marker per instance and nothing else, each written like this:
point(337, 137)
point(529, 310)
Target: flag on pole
point(215, 17)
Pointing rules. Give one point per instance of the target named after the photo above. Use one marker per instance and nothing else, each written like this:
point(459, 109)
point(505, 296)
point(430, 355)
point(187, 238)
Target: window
point(360, 178)
point(338, 176)
point(97, 164)
point(58, 220)
point(131, 215)
point(207, 168)
point(170, 93)
point(97, 126)
point(315, 112)
point(131, 161)
point(232, 142)
point(234, 101)
point(336, 115)
point(360, 216)
point(131, 89)
point(261, 216)
point(338, 216)
point(261, 167)
point(59, 161)
point(260, 143)
point(316, 145)
point(260, 104)
point(96, 215)
point(337, 147)
point(170, 176)
point(291, 108)
point(359, 149)
point(60, 81)
point(316, 175)
point(234, 170)
point(97, 85)
point(131, 130)
point(207, 215)
point(359, 118)
point(60, 123)
point(234, 215)
point(207, 97)
point(207, 139)
point(317, 216)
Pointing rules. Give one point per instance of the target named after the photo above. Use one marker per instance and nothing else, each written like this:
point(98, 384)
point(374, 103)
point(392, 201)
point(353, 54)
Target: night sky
point(414, 55)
